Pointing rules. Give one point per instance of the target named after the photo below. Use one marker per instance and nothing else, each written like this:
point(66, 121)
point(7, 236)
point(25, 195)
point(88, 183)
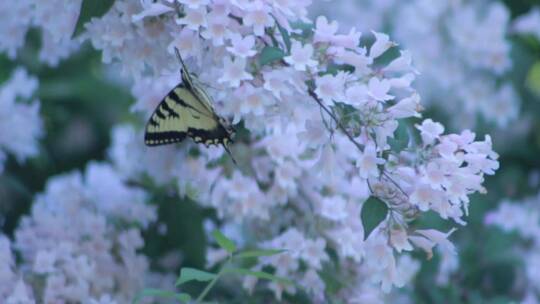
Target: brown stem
point(338, 123)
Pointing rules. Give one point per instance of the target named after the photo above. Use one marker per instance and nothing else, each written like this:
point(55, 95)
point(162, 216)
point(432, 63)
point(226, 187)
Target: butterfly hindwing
point(181, 113)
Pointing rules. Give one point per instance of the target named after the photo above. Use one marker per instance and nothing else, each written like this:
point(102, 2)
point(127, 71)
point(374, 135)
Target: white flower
point(300, 57)
point(194, 4)
point(315, 133)
point(330, 88)
point(20, 295)
point(406, 107)
point(350, 243)
point(381, 44)
point(356, 95)
point(187, 42)
point(253, 100)
point(216, 28)
point(334, 208)
point(430, 131)
point(368, 162)
point(401, 64)
point(325, 31)
point(275, 81)
point(313, 252)
point(378, 89)
point(242, 46)
point(151, 9)
point(194, 18)
point(423, 196)
point(258, 16)
point(399, 239)
point(528, 23)
point(44, 262)
point(20, 121)
point(234, 72)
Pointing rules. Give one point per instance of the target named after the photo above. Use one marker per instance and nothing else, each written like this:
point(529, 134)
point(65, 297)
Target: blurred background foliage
point(82, 99)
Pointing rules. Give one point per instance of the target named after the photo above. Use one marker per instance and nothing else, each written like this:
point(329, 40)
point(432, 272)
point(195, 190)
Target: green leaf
point(89, 10)
point(270, 54)
point(400, 140)
point(373, 212)
point(258, 253)
point(191, 274)
point(260, 274)
point(533, 78)
point(182, 297)
point(285, 35)
point(224, 242)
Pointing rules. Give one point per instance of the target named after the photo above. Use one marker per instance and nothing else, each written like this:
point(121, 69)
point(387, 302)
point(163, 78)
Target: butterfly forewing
point(181, 113)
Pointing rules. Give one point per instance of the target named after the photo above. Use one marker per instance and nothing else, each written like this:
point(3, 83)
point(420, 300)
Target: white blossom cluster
point(55, 18)
point(321, 120)
point(460, 48)
point(17, 109)
point(301, 182)
point(79, 243)
point(523, 217)
point(528, 23)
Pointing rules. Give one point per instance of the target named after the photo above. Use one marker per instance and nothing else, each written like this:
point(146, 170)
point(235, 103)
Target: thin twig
point(338, 123)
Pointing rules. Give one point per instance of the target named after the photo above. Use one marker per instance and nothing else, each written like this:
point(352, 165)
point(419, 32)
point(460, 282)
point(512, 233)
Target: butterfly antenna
point(180, 59)
point(230, 154)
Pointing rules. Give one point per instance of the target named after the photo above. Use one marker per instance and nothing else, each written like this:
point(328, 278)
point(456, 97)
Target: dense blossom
point(79, 242)
point(20, 121)
point(57, 26)
point(460, 48)
point(528, 23)
point(322, 117)
point(298, 170)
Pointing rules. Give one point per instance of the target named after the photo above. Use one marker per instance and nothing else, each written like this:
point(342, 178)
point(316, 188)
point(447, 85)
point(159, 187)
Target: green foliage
point(373, 212)
point(191, 274)
point(285, 35)
point(224, 242)
point(188, 274)
point(270, 54)
point(257, 253)
point(89, 10)
point(182, 297)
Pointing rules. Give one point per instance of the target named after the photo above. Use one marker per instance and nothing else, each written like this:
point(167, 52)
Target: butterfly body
point(187, 111)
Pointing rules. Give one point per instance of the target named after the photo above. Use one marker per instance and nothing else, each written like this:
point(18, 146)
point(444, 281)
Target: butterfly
point(187, 111)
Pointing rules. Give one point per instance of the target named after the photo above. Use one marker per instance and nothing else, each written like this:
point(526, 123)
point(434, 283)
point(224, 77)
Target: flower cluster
point(15, 111)
point(322, 115)
point(57, 26)
point(460, 47)
point(523, 217)
point(79, 242)
point(327, 125)
point(528, 23)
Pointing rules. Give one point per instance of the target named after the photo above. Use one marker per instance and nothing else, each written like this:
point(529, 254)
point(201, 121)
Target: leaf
point(260, 274)
point(224, 242)
point(533, 78)
point(285, 35)
point(182, 297)
point(191, 274)
point(90, 9)
point(400, 140)
point(373, 212)
point(270, 54)
point(258, 253)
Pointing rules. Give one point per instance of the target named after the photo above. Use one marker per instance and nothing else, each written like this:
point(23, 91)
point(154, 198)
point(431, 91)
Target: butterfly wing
point(181, 113)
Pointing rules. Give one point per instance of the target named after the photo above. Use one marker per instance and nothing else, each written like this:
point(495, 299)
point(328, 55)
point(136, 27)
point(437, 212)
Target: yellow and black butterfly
point(187, 111)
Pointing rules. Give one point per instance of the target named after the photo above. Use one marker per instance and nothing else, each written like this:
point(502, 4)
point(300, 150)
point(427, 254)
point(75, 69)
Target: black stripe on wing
point(216, 136)
point(163, 138)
